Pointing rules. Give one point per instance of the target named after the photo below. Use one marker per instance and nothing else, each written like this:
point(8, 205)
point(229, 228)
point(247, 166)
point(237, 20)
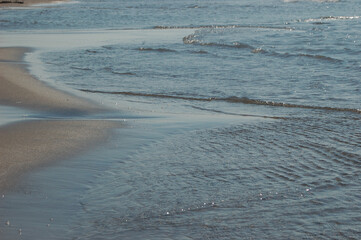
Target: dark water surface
point(248, 120)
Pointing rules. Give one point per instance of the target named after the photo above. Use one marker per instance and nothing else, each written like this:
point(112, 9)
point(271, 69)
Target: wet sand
point(23, 3)
point(28, 144)
point(20, 89)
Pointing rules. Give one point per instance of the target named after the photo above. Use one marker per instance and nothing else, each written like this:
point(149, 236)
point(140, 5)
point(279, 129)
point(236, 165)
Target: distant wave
point(81, 68)
point(316, 57)
point(90, 51)
point(162, 8)
point(321, 1)
point(196, 6)
point(108, 47)
point(234, 45)
point(193, 39)
point(199, 52)
point(162, 50)
point(109, 69)
point(233, 99)
point(124, 73)
point(223, 27)
point(320, 57)
point(331, 18)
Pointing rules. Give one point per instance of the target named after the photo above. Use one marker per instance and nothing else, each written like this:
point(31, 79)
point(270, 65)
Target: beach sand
point(27, 144)
point(22, 3)
point(20, 89)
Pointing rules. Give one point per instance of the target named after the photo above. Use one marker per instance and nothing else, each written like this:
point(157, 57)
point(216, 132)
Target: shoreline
point(21, 89)
point(26, 144)
point(26, 3)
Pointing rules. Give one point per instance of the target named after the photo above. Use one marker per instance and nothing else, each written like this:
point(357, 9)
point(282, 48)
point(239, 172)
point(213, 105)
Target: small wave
point(124, 73)
point(245, 100)
point(90, 51)
point(234, 45)
point(200, 52)
point(109, 69)
point(236, 114)
point(195, 6)
point(320, 23)
point(320, 57)
point(316, 57)
point(224, 27)
point(330, 18)
point(192, 39)
point(81, 68)
point(108, 47)
point(149, 95)
point(320, 1)
point(232, 99)
point(340, 18)
point(161, 50)
point(259, 50)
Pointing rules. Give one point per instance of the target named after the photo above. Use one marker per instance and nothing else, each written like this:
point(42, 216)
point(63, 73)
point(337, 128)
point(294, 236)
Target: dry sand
point(27, 144)
point(23, 3)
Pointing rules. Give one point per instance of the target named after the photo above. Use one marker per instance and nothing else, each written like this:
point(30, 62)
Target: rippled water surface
point(255, 115)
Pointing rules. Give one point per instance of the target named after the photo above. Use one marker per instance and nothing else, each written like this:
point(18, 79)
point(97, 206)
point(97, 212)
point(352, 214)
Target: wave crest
point(192, 39)
point(331, 18)
point(232, 99)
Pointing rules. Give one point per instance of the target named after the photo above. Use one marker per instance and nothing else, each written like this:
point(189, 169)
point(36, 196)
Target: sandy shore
point(27, 144)
point(22, 3)
point(20, 89)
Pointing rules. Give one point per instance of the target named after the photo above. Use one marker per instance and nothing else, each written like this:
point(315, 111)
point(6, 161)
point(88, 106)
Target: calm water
point(247, 117)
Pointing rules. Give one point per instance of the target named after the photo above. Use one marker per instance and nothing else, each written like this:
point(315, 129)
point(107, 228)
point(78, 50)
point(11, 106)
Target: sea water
point(243, 118)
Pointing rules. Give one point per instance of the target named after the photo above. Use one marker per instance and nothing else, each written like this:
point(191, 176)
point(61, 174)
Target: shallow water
point(243, 119)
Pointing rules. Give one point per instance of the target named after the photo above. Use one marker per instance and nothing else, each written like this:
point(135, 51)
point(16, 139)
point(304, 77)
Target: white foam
point(332, 18)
